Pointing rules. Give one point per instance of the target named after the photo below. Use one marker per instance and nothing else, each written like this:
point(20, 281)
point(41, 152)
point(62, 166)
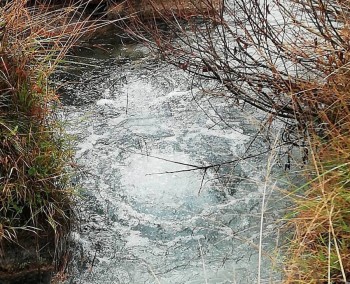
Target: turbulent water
point(148, 215)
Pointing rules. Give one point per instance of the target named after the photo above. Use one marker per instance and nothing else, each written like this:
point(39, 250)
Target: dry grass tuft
point(161, 9)
point(320, 250)
point(35, 155)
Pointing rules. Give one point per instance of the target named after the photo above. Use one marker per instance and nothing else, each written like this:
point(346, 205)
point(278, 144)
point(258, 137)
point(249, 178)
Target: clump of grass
point(321, 246)
point(320, 250)
point(35, 192)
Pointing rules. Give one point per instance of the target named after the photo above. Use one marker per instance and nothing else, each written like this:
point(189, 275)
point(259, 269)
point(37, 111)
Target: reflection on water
point(147, 214)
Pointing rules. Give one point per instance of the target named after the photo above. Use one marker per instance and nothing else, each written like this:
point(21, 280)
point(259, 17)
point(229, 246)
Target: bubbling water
point(148, 214)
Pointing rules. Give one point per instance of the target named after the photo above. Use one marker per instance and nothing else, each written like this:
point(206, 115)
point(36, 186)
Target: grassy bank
point(35, 155)
point(160, 9)
point(320, 249)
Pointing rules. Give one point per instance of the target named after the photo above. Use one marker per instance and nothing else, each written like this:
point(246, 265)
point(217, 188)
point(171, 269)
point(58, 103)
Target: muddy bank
point(42, 275)
point(31, 262)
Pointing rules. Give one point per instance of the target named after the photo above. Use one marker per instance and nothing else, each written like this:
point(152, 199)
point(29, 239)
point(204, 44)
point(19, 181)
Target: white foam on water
point(135, 239)
point(153, 179)
point(149, 212)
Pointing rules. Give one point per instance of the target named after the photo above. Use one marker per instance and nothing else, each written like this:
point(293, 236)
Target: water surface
point(147, 214)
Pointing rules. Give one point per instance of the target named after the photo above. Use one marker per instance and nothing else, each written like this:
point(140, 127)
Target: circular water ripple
point(147, 216)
